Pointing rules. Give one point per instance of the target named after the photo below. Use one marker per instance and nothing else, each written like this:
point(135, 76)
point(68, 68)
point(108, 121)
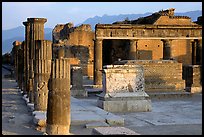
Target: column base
point(57, 130)
point(194, 89)
point(125, 102)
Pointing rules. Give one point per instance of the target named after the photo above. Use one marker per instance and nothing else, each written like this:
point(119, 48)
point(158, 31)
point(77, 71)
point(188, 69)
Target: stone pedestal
point(58, 111)
point(77, 89)
point(123, 89)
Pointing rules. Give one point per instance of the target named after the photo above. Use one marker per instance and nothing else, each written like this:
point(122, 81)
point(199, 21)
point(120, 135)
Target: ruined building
point(77, 42)
point(160, 36)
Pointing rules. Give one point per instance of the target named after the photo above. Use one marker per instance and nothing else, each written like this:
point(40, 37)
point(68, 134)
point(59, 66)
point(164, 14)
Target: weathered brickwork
point(162, 75)
point(78, 42)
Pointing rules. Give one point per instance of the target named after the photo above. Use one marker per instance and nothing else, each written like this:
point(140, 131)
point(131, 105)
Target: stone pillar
point(27, 36)
point(42, 72)
point(20, 67)
point(123, 89)
point(193, 44)
point(36, 33)
point(58, 111)
point(24, 67)
point(77, 89)
point(133, 50)
point(193, 78)
point(16, 47)
point(98, 62)
point(167, 49)
point(60, 53)
point(199, 51)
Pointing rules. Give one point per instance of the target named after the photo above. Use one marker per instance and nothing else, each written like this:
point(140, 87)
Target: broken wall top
point(163, 17)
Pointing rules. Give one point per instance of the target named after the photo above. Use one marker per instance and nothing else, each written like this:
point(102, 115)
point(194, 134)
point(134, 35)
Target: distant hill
point(11, 35)
point(18, 33)
point(109, 19)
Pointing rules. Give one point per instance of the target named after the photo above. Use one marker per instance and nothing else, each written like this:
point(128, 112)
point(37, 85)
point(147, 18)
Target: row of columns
point(46, 80)
point(167, 55)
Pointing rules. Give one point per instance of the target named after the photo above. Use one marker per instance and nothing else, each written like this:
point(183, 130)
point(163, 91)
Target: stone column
point(36, 33)
point(193, 44)
point(166, 49)
point(27, 35)
point(20, 67)
point(77, 89)
point(98, 62)
point(16, 47)
point(24, 67)
point(58, 111)
point(199, 51)
point(42, 72)
point(60, 53)
point(133, 50)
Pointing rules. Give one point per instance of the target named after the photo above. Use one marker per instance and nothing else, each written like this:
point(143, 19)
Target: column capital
point(37, 20)
point(26, 23)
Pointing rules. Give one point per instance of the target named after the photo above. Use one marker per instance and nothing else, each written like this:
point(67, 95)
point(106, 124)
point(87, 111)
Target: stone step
point(170, 94)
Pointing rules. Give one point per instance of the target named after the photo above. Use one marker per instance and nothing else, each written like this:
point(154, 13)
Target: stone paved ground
point(182, 116)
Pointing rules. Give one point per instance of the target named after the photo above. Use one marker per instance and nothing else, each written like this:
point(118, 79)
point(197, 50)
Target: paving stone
point(97, 124)
point(113, 131)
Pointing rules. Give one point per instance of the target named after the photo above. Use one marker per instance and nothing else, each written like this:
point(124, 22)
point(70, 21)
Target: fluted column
point(24, 67)
point(27, 35)
point(36, 33)
point(42, 72)
point(16, 47)
point(98, 62)
point(58, 111)
point(133, 50)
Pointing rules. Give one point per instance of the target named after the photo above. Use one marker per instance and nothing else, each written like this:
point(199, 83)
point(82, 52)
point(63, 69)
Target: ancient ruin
point(42, 70)
point(58, 110)
point(148, 38)
point(78, 43)
point(127, 60)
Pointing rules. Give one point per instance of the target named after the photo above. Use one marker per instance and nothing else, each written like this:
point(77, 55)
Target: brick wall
point(160, 75)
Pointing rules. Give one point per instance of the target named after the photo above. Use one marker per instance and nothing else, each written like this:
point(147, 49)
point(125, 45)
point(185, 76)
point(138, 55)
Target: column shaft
point(42, 72)
point(98, 58)
point(58, 111)
point(133, 50)
point(167, 50)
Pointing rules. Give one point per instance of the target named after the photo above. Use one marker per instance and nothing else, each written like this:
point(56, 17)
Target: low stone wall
point(160, 75)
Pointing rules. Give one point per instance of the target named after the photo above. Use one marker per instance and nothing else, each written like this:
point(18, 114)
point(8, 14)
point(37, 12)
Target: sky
point(14, 13)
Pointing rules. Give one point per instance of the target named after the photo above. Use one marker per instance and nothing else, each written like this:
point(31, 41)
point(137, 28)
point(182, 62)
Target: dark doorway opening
point(114, 50)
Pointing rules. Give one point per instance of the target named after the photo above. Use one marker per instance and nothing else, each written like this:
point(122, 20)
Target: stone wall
point(78, 42)
point(160, 75)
